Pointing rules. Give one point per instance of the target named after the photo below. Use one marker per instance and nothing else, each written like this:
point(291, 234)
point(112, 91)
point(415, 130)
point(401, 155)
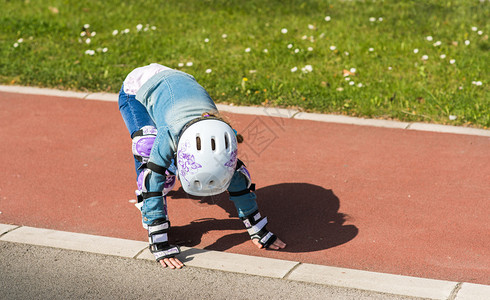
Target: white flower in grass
point(327, 18)
point(310, 49)
point(87, 41)
point(252, 71)
point(360, 85)
point(425, 57)
point(139, 27)
point(115, 32)
point(307, 69)
point(477, 83)
point(248, 50)
point(266, 51)
point(189, 64)
point(429, 38)
point(304, 37)
point(346, 53)
point(296, 50)
point(474, 28)
point(181, 65)
point(452, 117)
point(86, 26)
point(90, 52)
point(351, 83)
point(104, 50)
point(438, 43)
point(206, 40)
point(93, 33)
point(380, 19)
point(467, 42)
point(83, 33)
point(372, 19)
point(352, 70)
point(21, 40)
point(294, 69)
point(390, 68)
point(333, 48)
point(290, 46)
point(452, 61)
point(480, 32)
point(153, 28)
point(347, 78)
point(311, 27)
point(371, 49)
point(415, 50)
point(209, 71)
point(284, 31)
point(16, 45)
point(125, 30)
point(224, 36)
point(443, 56)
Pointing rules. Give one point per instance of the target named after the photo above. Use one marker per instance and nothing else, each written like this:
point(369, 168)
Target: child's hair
point(221, 117)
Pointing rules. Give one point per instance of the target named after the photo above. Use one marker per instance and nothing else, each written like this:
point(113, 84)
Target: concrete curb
point(267, 111)
point(252, 265)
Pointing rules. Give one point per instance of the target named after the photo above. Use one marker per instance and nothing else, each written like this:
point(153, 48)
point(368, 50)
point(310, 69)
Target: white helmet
point(206, 156)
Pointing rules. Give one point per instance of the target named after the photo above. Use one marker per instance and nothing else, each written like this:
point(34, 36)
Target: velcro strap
point(158, 238)
point(243, 192)
point(160, 227)
point(255, 229)
point(251, 219)
point(151, 194)
point(268, 239)
point(156, 168)
point(146, 130)
point(167, 252)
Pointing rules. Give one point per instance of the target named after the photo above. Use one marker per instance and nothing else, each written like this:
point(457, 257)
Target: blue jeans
point(135, 117)
point(171, 110)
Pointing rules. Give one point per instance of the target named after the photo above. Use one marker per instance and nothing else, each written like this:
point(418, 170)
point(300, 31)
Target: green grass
point(396, 82)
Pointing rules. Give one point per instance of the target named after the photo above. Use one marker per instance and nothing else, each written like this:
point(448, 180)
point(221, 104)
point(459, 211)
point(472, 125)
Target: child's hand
point(172, 263)
point(278, 244)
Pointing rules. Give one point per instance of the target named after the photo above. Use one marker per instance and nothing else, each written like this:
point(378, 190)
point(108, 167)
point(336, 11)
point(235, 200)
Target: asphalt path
point(34, 272)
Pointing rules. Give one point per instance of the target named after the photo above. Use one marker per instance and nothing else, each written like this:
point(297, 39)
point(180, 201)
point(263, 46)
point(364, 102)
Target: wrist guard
point(256, 227)
point(157, 234)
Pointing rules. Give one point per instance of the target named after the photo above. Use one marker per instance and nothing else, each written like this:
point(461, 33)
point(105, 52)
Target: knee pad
point(143, 140)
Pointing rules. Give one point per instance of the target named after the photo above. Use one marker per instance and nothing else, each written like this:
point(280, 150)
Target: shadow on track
point(305, 216)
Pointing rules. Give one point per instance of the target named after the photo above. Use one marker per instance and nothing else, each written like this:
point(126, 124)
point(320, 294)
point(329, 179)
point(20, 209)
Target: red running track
point(385, 200)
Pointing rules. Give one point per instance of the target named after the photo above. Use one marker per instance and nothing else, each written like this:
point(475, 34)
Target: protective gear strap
point(158, 238)
point(156, 168)
point(256, 227)
point(147, 195)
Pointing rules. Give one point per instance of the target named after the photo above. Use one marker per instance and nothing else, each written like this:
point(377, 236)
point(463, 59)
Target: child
point(176, 130)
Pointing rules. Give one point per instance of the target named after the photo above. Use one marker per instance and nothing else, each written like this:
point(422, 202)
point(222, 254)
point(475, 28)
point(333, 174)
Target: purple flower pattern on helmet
point(231, 163)
point(187, 162)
